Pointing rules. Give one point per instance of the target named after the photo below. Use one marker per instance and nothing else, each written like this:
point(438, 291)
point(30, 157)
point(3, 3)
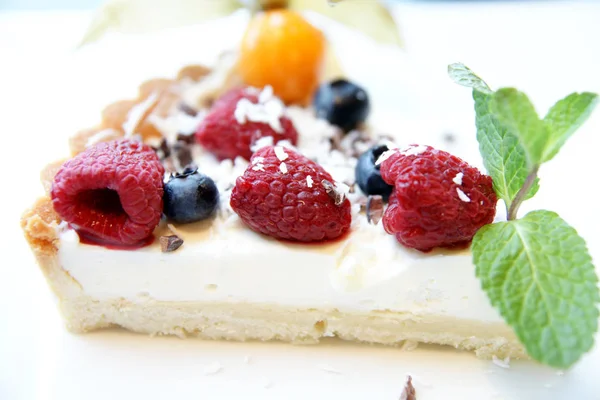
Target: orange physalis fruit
point(282, 49)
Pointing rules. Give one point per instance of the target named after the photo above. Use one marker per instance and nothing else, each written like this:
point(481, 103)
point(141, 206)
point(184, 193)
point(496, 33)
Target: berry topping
point(112, 192)
point(241, 117)
point(342, 103)
point(190, 196)
point(368, 175)
point(296, 201)
point(280, 48)
point(438, 199)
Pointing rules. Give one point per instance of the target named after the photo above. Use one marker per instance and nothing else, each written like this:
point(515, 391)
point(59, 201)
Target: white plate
point(412, 96)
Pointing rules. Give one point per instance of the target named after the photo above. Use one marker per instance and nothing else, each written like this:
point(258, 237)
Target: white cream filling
point(224, 261)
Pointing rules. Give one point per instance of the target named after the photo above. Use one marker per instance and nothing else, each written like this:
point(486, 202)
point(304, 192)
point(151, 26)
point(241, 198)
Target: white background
point(48, 91)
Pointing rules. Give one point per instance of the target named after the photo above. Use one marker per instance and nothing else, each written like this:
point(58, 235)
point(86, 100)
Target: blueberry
point(368, 176)
point(342, 103)
point(190, 196)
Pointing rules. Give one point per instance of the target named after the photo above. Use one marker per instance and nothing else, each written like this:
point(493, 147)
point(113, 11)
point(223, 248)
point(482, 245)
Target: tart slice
point(212, 208)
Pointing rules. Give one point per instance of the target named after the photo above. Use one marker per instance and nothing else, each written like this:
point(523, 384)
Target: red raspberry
point(228, 135)
point(438, 199)
point(111, 192)
point(287, 198)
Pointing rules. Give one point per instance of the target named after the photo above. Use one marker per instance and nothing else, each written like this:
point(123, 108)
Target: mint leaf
point(514, 110)
point(503, 156)
point(538, 273)
point(462, 75)
point(565, 117)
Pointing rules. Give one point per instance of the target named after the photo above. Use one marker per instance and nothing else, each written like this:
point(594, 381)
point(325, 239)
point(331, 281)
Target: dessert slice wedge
point(227, 281)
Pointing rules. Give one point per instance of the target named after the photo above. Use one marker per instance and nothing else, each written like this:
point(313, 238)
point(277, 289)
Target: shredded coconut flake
point(458, 178)
point(309, 181)
point(342, 188)
point(280, 153)
point(385, 156)
point(258, 167)
point(266, 94)
point(258, 160)
point(413, 150)
point(213, 368)
point(463, 196)
point(262, 142)
point(501, 363)
point(268, 110)
point(283, 168)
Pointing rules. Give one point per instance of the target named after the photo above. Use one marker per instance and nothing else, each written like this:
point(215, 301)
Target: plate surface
point(547, 50)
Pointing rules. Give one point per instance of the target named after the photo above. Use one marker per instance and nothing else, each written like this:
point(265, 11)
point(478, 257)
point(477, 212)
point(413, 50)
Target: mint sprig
point(536, 270)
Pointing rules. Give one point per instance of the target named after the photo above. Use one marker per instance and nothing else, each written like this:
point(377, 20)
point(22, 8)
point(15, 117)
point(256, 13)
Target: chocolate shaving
point(409, 392)
point(163, 150)
point(192, 112)
point(170, 243)
point(374, 209)
point(333, 192)
point(188, 138)
point(183, 153)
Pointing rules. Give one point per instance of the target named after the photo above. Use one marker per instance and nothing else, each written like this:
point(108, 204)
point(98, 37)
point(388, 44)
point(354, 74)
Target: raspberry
point(230, 130)
point(112, 192)
point(438, 199)
point(285, 197)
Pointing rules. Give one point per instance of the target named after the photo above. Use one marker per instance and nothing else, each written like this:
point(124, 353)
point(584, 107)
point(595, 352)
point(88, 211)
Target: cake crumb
point(213, 368)
point(170, 243)
point(501, 363)
point(409, 392)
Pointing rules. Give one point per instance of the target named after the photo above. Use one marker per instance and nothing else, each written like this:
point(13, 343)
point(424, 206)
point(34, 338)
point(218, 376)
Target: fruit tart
point(254, 202)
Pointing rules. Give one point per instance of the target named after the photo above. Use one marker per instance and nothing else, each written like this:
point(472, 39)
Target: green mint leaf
point(538, 273)
point(565, 117)
point(462, 75)
point(516, 112)
point(503, 156)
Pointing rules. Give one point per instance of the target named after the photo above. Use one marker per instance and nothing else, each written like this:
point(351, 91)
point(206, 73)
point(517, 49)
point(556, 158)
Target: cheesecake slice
point(219, 279)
